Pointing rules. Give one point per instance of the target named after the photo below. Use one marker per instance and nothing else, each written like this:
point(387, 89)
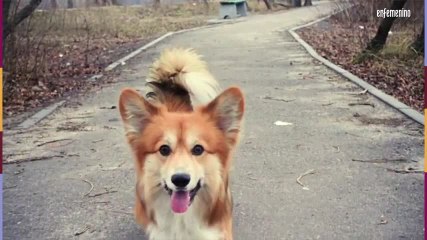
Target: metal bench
point(232, 9)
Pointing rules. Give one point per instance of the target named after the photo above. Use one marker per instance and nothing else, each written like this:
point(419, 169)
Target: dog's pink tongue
point(180, 201)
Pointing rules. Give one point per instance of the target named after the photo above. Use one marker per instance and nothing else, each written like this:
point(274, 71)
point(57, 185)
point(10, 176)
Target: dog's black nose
point(180, 179)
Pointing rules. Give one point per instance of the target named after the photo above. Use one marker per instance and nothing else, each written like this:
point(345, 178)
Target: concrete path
point(345, 198)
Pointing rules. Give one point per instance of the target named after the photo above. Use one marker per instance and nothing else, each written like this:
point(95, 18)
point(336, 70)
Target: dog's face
point(182, 154)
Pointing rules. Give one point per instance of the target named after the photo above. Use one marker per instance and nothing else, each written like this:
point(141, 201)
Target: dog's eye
point(165, 150)
point(197, 150)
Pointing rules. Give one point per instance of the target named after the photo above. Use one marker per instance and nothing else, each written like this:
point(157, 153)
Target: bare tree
point(378, 42)
point(10, 24)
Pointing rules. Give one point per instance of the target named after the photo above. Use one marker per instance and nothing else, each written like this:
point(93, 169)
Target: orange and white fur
point(183, 131)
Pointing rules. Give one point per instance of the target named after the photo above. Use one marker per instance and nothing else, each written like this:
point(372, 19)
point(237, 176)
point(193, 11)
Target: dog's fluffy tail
point(180, 79)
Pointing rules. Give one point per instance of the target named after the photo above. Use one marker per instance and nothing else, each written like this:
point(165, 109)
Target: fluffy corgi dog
point(183, 131)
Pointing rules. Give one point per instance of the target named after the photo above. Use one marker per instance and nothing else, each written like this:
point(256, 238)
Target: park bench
point(232, 8)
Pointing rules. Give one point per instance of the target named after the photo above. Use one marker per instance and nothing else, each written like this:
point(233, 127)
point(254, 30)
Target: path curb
point(40, 115)
point(403, 108)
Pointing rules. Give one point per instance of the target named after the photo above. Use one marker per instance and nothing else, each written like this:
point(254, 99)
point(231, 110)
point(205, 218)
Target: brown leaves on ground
point(65, 71)
point(53, 53)
point(396, 70)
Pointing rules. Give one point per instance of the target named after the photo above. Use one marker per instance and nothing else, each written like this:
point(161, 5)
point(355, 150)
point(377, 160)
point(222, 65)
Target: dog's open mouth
point(182, 199)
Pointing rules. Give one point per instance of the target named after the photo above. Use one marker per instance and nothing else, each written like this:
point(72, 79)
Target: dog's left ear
point(227, 111)
point(135, 111)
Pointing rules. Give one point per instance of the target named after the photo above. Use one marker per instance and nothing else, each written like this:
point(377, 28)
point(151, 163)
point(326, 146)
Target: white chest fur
point(187, 226)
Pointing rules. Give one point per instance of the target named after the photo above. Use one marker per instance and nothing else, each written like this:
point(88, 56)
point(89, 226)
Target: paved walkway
point(345, 199)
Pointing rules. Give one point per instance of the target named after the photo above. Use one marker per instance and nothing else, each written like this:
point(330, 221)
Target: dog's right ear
point(135, 111)
point(226, 110)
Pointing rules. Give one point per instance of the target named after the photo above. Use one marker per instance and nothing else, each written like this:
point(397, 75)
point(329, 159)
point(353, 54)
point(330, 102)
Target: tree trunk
point(25, 12)
point(248, 7)
point(308, 3)
point(70, 4)
point(6, 7)
point(378, 42)
point(267, 4)
point(54, 4)
point(418, 44)
point(206, 4)
point(156, 4)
